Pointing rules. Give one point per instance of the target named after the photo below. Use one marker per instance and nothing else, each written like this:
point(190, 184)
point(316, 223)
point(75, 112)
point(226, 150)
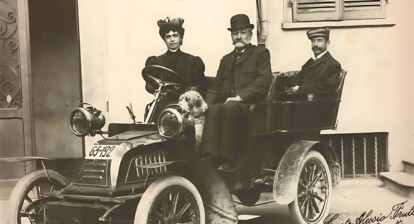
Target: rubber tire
point(16, 197)
point(294, 206)
point(155, 189)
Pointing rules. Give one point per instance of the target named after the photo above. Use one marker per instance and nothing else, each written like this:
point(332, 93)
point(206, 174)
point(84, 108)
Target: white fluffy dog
point(193, 103)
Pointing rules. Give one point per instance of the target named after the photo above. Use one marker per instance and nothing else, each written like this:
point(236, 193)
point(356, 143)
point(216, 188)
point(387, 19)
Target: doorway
point(56, 76)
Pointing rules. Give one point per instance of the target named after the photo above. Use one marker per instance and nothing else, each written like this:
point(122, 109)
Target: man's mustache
point(316, 48)
point(239, 40)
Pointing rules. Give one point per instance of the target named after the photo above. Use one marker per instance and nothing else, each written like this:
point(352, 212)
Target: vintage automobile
point(149, 172)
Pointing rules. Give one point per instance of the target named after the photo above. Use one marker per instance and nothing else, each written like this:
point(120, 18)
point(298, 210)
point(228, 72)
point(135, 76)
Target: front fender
point(285, 183)
point(23, 159)
point(218, 203)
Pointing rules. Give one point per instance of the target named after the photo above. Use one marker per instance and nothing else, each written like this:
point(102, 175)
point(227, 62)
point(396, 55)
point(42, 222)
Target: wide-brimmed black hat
point(240, 21)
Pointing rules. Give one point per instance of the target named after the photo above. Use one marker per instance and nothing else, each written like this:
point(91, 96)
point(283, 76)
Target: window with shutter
point(364, 9)
point(331, 10)
point(315, 10)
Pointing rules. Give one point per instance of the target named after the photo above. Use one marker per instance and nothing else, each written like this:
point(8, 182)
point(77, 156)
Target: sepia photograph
point(206, 112)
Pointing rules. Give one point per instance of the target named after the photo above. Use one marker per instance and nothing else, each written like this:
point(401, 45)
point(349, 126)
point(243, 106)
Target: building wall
point(117, 38)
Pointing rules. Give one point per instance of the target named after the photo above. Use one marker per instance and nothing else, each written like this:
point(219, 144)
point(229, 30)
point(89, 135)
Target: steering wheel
point(162, 76)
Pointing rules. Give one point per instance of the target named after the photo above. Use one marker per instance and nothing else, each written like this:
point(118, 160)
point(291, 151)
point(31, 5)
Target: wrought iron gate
point(360, 154)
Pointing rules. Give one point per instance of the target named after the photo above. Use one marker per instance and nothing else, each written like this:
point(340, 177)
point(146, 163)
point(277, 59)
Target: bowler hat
point(318, 32)
point(240, 21)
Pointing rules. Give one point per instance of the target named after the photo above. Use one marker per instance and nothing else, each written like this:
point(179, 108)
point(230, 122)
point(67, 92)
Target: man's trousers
point(225, 130)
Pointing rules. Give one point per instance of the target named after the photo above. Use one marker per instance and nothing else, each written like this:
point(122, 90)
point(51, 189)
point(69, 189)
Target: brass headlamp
point(86, 120)
point(172, 122)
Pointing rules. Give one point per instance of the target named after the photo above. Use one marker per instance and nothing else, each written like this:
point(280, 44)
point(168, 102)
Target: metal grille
point(145, 166)
point(360, 154)
point(94, 173)
point(10, 82)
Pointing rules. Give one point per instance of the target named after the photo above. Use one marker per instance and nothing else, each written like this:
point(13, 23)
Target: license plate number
point(100, 152)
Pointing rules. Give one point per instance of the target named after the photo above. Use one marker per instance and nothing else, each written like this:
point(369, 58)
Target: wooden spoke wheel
point(29, 189)
point(312, 202)
point(170, 200)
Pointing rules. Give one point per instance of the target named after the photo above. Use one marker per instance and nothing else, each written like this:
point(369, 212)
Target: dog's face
point(193, 102)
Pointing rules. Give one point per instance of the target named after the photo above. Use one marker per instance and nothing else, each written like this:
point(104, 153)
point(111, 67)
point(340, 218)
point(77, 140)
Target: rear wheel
point(312, 202)
point(30, 188)
point(172, 199)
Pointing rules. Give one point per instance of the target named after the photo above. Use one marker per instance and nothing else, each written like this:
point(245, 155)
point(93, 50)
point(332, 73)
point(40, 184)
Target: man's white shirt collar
point(241, 50)
point(320, 55)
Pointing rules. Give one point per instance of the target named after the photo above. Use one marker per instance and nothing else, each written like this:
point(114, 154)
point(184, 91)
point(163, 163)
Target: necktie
point(238, 54)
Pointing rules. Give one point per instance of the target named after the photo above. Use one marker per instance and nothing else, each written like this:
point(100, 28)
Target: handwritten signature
point(397, 214)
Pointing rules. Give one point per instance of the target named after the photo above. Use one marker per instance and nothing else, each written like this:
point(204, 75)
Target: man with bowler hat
point(190, 67)
point(320, 74)
point(243, 78)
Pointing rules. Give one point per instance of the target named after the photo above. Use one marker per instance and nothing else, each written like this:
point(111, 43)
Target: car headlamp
point(86, 120)
point(171, 122)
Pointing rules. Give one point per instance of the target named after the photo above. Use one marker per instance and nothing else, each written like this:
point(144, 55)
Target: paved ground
point(350, 200)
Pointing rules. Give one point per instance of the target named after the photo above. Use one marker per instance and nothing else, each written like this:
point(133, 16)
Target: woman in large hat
point(190, 68)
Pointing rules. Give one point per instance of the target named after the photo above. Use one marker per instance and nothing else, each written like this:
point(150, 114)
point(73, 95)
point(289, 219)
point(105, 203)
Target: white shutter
point(315, 10)
point(364, 9)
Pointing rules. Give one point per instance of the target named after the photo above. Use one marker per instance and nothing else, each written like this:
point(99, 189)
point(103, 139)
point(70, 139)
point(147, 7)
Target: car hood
point(134, 138)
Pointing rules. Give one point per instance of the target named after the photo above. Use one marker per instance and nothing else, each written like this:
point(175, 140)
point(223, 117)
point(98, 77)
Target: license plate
point(100, 151)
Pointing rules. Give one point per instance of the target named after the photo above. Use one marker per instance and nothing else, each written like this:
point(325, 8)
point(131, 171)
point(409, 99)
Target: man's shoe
point(226, 167)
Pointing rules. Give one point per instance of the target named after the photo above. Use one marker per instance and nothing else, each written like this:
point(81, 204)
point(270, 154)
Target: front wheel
point(312, 202)
point(171, 199)
point(29, 189)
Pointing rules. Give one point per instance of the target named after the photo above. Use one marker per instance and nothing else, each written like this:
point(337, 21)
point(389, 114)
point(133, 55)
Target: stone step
point(408, 166)
point(360, 183)
point(400, 182)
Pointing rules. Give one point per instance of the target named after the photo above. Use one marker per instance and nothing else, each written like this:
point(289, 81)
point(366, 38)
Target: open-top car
point(151, 172)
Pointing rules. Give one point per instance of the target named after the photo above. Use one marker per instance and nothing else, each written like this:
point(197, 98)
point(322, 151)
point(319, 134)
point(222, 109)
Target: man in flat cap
point(320, 74)
point(243, 78)
point(190, 68)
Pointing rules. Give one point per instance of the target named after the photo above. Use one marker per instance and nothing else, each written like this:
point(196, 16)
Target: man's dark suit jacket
point(252, 76)
point(319, 77)
point(225, 128)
